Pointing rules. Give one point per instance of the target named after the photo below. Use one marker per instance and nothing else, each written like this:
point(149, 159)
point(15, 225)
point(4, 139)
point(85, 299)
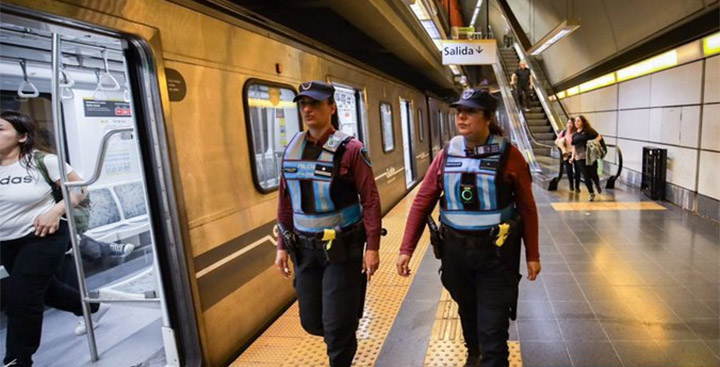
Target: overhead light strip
point(561, 31)
point(711, 44)
point(475, 13)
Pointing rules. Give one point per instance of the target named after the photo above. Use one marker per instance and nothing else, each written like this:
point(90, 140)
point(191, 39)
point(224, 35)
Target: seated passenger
point(34, 236)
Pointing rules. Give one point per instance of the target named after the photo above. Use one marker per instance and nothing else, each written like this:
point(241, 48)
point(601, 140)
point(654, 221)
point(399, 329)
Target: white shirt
point(24, 194)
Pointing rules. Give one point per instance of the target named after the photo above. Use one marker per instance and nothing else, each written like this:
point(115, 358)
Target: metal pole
point(60, 144)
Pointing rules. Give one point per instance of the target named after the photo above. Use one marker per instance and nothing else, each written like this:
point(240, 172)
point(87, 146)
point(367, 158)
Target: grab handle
point(101, 157)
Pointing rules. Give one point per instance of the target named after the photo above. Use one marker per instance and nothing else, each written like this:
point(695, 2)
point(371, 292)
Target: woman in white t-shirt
point(34, 237)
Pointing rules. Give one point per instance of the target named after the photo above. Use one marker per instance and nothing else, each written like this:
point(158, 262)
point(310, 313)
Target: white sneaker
point(96, 317)
point(120, 249)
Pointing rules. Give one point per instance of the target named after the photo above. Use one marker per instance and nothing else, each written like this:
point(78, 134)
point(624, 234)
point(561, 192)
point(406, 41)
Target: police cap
point(316, 90)
point(476, 98)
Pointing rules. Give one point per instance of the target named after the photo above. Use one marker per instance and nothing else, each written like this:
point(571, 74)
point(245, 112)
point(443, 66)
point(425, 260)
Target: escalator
point(542, 132)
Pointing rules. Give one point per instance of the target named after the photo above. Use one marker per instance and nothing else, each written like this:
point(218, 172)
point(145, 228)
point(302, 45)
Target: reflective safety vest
point(321, 173)
point(472, 200)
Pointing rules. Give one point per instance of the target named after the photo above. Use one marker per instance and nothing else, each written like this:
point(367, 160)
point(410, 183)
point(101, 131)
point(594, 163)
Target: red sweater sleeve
point(518, 172)
point(285, 212)
point(364, 180)
point(423, 205)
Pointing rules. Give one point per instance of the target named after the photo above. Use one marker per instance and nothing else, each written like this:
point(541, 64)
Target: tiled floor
point(621, 286)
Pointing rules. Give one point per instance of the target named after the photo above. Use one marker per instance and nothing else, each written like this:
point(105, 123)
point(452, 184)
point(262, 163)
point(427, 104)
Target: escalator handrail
point(517, 120)
point(525, 124)
point(538, 72)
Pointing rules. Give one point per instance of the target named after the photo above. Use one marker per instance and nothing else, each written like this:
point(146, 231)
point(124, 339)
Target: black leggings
point(589, 174)
point(572, 174)
point(32, 263)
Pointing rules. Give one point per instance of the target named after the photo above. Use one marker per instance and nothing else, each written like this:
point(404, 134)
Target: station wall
point(677, 109)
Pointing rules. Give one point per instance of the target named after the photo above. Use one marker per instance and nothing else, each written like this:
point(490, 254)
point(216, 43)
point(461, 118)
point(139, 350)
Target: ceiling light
point(475, 13)
point(711, 44)
point(657, 63)
point(596, 83)
point(562, 30)
point(420, 11)
point(455, 69)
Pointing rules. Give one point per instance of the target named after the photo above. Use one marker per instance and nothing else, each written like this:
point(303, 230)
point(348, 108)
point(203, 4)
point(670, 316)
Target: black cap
point(316, 90)
point(476, 98)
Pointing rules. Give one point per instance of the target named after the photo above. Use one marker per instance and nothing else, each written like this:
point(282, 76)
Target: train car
point(176, 116)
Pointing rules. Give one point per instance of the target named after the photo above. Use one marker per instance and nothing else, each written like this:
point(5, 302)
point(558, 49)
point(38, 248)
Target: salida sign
point(469, 52)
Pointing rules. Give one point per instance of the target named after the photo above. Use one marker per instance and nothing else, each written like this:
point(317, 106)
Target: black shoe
point(592, 196)
point(599, 190)
point(577, 190)
point(472, 361)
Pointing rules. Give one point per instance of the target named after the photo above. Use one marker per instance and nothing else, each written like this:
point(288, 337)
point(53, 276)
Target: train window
point(350, 109)
point(387, 127)
point(273, 120)
point(421, 127)
point(436, 124)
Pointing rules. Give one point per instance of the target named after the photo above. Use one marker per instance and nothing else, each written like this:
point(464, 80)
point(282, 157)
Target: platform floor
point(625, 282)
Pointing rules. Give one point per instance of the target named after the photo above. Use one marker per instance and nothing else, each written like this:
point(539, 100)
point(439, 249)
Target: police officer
point(328, 208)
point(485, 185)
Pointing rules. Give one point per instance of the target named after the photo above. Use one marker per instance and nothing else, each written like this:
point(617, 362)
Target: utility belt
point(502, 239)
point(495, 237)
point(337, 243)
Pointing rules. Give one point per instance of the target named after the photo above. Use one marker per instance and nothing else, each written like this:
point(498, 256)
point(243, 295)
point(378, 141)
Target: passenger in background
point(33, 238)
point(523, 82)
point(485, 191)
point(564, 142)
point(584, 132)
point(328, 207)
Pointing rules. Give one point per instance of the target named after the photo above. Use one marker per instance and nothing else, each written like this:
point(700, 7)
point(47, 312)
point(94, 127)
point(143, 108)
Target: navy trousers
point(478, 281)
point(331, 297)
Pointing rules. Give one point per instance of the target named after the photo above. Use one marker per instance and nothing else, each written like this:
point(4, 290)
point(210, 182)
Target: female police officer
point(328, 190)
point(485, 185)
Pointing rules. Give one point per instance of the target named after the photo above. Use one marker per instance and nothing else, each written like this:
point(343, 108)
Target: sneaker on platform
point(121, 249)
point(96, 317)
point(592, 197)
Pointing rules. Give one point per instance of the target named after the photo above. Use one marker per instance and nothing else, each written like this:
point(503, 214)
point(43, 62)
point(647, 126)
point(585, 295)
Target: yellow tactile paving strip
point(610, 205)
point(447, 345)
point(286, 344)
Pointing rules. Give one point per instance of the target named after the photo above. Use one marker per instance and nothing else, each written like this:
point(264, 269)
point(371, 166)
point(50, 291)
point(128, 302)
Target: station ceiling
point(380, 33)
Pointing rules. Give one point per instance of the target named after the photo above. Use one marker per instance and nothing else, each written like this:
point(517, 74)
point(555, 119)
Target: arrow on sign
point(479, 49)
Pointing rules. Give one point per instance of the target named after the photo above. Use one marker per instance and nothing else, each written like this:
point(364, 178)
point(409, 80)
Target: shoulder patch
point(365, 156)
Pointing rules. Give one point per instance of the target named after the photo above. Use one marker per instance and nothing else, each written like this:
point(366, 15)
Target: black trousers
point(32, 263)
point(572, 174)
point(524, 95)
point(478, 281)
point(589, 173)
point(331, 299)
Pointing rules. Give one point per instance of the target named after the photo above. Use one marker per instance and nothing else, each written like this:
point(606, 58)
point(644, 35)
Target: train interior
point(117, 249)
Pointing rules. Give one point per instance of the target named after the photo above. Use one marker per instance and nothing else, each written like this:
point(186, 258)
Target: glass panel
point(421, 125)
point(115, 239)
point(274, 120)
point(364, 119)
point(387, 127)
point(347, 110)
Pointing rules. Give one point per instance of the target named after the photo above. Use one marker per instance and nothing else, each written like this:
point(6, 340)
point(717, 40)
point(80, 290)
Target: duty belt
point(315, 241)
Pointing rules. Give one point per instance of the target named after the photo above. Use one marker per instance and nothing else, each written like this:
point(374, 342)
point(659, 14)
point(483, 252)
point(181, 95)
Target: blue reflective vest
point(472, 200)
point(321, 173)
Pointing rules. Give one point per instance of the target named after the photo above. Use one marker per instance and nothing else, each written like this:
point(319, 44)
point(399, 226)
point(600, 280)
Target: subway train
point(176, 116)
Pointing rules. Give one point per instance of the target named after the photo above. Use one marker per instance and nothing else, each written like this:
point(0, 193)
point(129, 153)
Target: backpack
point(81, 213)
